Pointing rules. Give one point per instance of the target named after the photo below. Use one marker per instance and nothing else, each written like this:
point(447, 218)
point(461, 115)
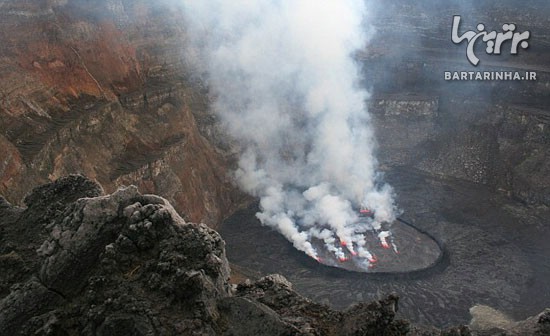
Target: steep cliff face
point(101, 88)
point(104, 89)
point(496, 133)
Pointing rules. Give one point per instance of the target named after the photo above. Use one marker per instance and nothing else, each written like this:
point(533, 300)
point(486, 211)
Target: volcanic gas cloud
point(286, 87)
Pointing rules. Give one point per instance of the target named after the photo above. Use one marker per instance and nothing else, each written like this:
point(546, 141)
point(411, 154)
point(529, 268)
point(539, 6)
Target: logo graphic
point(494, 41)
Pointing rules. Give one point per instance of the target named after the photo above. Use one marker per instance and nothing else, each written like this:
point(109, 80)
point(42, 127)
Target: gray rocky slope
point(77, 262)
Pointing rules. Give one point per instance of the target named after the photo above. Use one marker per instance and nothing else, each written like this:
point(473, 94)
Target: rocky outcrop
point(107, 265)
point(76, 261)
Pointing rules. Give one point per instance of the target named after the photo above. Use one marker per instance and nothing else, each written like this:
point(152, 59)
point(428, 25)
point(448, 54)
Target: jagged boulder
point(119, 264)
point(77, 262)
point(310, 318)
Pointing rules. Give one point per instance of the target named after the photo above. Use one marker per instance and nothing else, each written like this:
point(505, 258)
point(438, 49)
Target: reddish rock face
point(11, 166)
point(100, 89)
point(103, 88)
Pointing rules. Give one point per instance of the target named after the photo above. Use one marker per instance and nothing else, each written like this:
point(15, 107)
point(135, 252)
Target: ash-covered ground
point(496, 254)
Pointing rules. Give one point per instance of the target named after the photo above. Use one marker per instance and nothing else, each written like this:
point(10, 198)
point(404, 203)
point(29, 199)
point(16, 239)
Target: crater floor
point(496, 254)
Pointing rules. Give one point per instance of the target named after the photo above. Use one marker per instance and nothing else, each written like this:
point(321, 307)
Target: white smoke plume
point(286, 87)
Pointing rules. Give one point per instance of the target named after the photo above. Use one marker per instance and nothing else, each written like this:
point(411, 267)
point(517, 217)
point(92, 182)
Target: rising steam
point(286, 87)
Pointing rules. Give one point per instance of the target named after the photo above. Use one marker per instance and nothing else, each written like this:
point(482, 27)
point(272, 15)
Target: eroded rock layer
point(103, 89)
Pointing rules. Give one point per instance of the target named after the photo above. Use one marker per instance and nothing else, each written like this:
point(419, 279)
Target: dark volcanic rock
point(75, 262)
point(274, 291)
point(120, 264)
